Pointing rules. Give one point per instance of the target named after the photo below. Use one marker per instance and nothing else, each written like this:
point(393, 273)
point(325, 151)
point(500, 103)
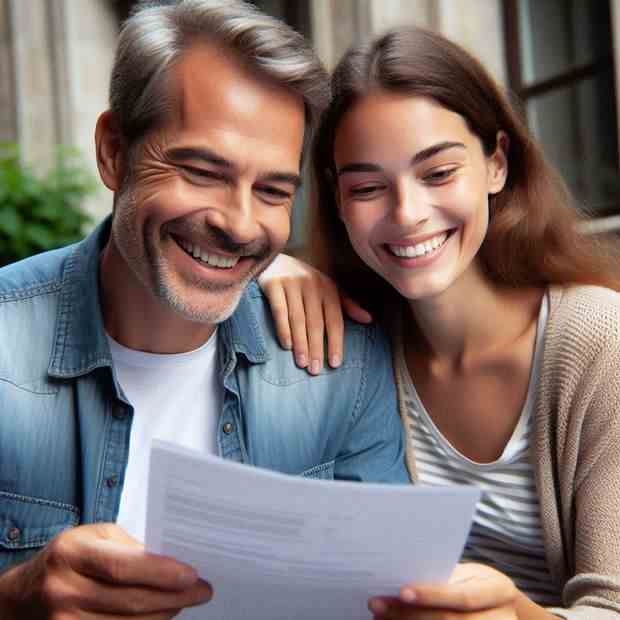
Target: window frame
point(572, 76)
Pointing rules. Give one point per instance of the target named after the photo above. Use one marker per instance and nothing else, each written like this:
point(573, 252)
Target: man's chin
point(213, 306)
point(206, 301)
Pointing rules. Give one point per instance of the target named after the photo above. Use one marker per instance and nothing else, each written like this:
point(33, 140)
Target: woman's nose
point(411, 204)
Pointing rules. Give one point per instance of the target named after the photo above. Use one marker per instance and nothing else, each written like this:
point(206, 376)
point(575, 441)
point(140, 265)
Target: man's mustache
point(219, 239)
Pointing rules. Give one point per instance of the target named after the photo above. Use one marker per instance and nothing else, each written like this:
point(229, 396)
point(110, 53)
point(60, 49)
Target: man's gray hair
point(157, 33)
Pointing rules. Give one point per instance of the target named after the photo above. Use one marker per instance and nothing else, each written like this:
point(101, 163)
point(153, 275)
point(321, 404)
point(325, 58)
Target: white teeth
point(419, 249)
point(213, 260)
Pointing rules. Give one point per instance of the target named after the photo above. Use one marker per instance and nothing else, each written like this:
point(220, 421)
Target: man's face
point(207, 202)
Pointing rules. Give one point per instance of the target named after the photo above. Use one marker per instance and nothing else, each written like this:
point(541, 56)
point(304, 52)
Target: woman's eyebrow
point(359, 167)
point(431, 151)
point(419, 157)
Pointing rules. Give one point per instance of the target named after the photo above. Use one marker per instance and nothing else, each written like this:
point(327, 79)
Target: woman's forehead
point(385, 121)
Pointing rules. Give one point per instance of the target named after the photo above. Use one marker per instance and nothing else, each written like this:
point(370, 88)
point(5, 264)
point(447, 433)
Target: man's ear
point(497, 164)
point(110, 151)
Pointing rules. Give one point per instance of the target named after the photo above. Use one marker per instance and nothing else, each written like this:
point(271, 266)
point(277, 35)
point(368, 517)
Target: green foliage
point(40, 213)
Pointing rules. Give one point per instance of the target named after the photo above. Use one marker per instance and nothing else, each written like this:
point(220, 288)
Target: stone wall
point(56, 55)
point(478, 26)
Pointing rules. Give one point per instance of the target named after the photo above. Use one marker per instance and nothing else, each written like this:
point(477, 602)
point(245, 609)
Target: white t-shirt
point(177, 398)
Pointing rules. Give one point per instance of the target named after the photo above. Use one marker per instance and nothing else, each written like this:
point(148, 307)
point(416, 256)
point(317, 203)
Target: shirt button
point(13, 534)
point(228, 428)
point(112, 481)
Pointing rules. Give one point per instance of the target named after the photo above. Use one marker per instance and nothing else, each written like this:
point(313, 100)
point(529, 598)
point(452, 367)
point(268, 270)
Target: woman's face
point(413, 187)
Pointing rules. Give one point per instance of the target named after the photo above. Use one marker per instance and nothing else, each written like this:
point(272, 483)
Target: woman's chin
point(421, 289)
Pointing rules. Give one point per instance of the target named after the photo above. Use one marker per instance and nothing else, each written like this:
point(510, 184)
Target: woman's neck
point(473, 319)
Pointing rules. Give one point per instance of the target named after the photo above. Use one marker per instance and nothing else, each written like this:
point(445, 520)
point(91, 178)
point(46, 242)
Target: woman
point(437, 211)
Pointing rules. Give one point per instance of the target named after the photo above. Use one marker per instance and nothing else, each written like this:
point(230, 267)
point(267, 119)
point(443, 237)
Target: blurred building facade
point(560, 57)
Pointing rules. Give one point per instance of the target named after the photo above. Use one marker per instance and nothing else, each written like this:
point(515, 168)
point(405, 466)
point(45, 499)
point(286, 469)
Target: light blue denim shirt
point(64, 425)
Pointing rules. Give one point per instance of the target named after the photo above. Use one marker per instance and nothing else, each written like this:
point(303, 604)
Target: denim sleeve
point(374, 450)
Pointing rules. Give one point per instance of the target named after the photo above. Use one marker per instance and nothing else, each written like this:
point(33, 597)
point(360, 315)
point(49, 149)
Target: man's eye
point(202, 173)
point(274, 195)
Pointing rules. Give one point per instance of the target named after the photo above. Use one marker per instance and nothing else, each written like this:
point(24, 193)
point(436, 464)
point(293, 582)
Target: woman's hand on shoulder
point(306, 306)
point(473, 592)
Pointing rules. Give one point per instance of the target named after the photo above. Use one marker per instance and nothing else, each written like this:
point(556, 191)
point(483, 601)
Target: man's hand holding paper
point(98, 570)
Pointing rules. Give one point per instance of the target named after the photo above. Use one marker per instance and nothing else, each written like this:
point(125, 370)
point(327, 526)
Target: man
point(151, 327)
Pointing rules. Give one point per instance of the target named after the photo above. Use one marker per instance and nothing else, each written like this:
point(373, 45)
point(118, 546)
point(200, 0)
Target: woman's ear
point(497, 164)
point(110, 152)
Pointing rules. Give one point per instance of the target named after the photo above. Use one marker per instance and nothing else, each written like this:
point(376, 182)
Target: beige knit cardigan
point(576, 447)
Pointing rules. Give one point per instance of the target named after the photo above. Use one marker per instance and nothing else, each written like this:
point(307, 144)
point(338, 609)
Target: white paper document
point(278, 547)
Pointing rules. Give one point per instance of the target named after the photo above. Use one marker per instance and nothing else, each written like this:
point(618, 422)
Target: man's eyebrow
point(421, 156)
point(431, 151)
point(205, 155)
point(281, 177)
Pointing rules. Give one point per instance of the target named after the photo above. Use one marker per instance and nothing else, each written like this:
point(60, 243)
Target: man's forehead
point(214, 97)
point(209, 77)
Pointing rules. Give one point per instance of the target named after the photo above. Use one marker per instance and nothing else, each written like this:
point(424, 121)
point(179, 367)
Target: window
point(560, 63)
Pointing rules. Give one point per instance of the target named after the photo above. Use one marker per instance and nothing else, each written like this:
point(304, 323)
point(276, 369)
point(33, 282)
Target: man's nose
point(237, 216)
point(411, 204)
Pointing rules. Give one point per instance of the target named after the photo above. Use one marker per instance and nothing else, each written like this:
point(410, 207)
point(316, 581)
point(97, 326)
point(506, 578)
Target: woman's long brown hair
point(533, 239)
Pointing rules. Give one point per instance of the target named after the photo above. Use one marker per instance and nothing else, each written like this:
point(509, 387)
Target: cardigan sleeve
point(593, 592)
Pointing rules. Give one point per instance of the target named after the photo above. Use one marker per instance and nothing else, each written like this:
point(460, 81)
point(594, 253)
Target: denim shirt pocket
point(324, 471)
point(29, 523)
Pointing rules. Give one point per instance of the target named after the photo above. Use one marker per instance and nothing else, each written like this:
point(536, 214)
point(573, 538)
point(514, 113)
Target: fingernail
point(287, 344)
point(207, 590)
point(315, 367)
point(407, 595)
point(377, 606)
point(302, 360)
point(335, 361)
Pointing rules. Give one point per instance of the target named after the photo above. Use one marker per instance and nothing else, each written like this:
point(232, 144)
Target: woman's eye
point(438, 176)
point(366, 191)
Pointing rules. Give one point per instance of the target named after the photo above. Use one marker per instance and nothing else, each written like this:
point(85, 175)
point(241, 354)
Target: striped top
point(506, 532)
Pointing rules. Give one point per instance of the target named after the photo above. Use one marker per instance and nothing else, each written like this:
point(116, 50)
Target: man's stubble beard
point(151, 269)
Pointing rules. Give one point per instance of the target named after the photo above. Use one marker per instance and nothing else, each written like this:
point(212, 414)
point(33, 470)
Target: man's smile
point(207, 256)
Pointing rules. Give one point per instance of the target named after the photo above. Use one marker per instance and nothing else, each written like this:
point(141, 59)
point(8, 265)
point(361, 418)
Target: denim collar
point(80, 342)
